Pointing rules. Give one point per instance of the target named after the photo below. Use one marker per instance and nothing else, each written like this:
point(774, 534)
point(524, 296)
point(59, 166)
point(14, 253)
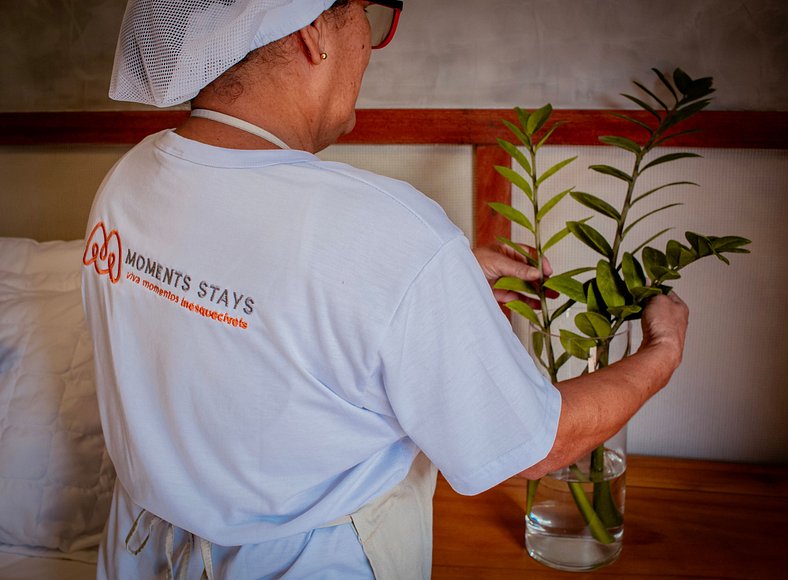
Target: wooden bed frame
point(477, 127)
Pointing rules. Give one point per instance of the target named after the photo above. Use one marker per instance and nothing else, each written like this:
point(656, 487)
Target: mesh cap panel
point(168, 50)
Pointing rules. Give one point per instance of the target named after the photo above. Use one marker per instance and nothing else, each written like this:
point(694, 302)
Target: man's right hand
point(664, 325)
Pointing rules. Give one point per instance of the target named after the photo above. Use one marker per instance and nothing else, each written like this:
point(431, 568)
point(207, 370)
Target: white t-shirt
point(277, 336)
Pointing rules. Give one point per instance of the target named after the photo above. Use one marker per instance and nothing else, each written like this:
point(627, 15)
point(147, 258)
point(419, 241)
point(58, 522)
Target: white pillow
point(56, 478)
point(24, 256)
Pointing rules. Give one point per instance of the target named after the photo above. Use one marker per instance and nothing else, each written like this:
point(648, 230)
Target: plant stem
point(531, 495)
point(545, 310)
point(598, 530)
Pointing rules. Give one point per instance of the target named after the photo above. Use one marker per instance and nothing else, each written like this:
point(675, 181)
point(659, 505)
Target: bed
point(55, 477)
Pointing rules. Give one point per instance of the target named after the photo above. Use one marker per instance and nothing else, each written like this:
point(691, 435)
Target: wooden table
point(684, 519)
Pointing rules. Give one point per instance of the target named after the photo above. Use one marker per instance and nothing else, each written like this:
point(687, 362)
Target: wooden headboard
point(477, 127)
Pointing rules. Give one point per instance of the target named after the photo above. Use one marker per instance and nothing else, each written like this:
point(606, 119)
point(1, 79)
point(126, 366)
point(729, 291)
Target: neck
point(298, 117)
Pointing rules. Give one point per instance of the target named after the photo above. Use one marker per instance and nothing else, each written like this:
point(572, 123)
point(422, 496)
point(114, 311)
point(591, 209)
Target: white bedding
point(55, 475)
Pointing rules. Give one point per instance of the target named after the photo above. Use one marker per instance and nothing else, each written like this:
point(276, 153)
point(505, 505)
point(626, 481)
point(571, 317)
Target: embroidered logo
point(104, 252)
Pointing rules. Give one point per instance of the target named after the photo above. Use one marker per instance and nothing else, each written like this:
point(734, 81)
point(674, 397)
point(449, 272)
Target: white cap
point(168, 50)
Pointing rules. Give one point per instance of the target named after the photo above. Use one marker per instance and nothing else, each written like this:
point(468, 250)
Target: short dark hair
point(229, 85)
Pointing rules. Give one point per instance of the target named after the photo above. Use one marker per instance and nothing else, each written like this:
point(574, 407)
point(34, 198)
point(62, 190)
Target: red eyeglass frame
point(396, 5)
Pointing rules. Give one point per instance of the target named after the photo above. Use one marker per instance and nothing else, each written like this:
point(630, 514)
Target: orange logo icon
point(104, 252)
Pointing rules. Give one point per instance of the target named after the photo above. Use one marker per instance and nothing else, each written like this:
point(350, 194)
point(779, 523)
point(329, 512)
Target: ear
point(311, 36)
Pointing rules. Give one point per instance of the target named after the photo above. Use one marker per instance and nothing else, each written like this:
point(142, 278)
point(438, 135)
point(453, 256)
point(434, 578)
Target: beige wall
point(57, 54)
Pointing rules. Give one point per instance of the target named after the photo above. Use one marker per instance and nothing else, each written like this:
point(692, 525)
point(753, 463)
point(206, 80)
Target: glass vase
point(575, 516)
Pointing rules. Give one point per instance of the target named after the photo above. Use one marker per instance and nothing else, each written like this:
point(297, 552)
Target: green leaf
point(516, 154)
point(537, 339)
point(730, 244)
point(612, 171)
point(537, 119)
point(554, 169)
point(594, 302)
point(523, 138)
point(690, 109)
point(522, 116)
point(656, 189)
point(685, 113)
point(515, 285)
point(682, 80)
point(597, 204)
point(621, 143)
point(679, 255)
point(524, 310)
point(561, 360)
point(656, 265)
point(699, 88)
point(555, 238)
point(512, 214)
point(644, 293)
point(662, 140)
point(635, 121)
point(547, 135)
point(635, 278)
point(566, 285)
point(651, 239)
point(644, 216)
point(593, 324)
point(654, 262)
point(578, 271)
point(609, 284)
point(590, 237)
point(519, 249)
point(576, 345)
point(701, 245)
point(517, 179)
point(666, 82)
point(624, 312)
point(633, 272)
point(551, 204)
point(652, 95)
point(558, 236)
point(669, 157)
point(643, 105)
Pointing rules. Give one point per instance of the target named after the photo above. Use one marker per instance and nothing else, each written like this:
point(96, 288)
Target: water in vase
point(556, 532)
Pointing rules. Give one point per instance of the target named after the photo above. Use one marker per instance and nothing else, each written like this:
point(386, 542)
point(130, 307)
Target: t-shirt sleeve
point(459, 381)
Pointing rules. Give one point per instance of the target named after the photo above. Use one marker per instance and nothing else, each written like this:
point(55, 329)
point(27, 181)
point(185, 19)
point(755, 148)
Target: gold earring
point(323, 55)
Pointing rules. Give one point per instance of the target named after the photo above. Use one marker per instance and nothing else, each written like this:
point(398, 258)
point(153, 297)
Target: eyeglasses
point(383, 17)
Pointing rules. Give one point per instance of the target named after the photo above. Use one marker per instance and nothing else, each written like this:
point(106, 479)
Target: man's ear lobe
point(310, 36)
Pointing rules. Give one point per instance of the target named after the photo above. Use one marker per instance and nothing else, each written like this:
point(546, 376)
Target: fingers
point(676, 299)
point(668, 305)
point(499, 260)
point(546, 267)
point(664, 324)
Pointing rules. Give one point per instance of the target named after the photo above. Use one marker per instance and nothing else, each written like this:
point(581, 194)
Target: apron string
point(145, 521)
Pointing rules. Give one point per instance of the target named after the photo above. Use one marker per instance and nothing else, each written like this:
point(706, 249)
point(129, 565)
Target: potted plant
point(574, 516)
